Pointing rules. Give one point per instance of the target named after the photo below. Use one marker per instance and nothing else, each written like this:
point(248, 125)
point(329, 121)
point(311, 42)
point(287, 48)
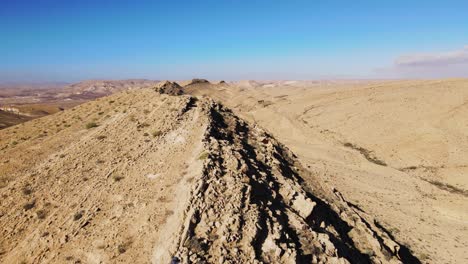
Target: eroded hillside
point(145, 177)
point(397, 149)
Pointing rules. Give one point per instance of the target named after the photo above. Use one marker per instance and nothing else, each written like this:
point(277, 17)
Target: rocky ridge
point(251, 204)
point(167, 87)
point(159, 177)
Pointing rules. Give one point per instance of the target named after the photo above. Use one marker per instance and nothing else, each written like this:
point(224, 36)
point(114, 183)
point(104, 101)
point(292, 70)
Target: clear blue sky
point(70, 40)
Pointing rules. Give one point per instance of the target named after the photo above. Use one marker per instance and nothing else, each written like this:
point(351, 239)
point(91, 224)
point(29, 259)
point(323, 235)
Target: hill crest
point(146, 176)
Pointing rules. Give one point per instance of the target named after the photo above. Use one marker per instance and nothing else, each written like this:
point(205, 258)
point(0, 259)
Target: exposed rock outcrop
point(251, 205)
point(171, 88)
point(184, 178)
point(198, 81)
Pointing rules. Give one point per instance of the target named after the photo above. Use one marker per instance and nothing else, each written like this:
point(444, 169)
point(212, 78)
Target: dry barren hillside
point(22, 102)
point(397, 149)
point(98, 88)
point(143, 177)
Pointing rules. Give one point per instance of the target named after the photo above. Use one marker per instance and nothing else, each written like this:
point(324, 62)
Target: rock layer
point(251, 205)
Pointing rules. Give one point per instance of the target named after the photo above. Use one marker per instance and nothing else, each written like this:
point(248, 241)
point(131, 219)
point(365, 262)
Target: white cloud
point(435, 59)
point(433, 65)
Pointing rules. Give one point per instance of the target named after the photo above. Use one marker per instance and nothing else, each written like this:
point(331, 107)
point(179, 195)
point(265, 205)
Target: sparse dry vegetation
point(123, 247)
point(203, 156)
point(156, 133)
point(78, 215)
point(41, 214)
point(117, 177)
point(26, 190)
point(91, 125)
point(142, 125)
point(29, 205)
point(369, 155)
point(448, 187)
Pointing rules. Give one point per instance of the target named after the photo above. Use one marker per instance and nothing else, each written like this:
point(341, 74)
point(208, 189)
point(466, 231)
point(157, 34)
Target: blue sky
point(57, 40)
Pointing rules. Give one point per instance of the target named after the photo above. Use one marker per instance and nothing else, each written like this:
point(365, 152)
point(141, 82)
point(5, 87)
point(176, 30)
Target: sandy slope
point(140, 177)
point(98, 194)
point(397, 149)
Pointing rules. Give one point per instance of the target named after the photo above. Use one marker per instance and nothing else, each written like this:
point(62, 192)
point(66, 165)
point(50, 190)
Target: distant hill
point(106, 87)
point(33, 100)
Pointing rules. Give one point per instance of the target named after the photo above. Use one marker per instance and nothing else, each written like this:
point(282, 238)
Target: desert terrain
point(397, 149)
point(241, 172)
point(23, 102)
